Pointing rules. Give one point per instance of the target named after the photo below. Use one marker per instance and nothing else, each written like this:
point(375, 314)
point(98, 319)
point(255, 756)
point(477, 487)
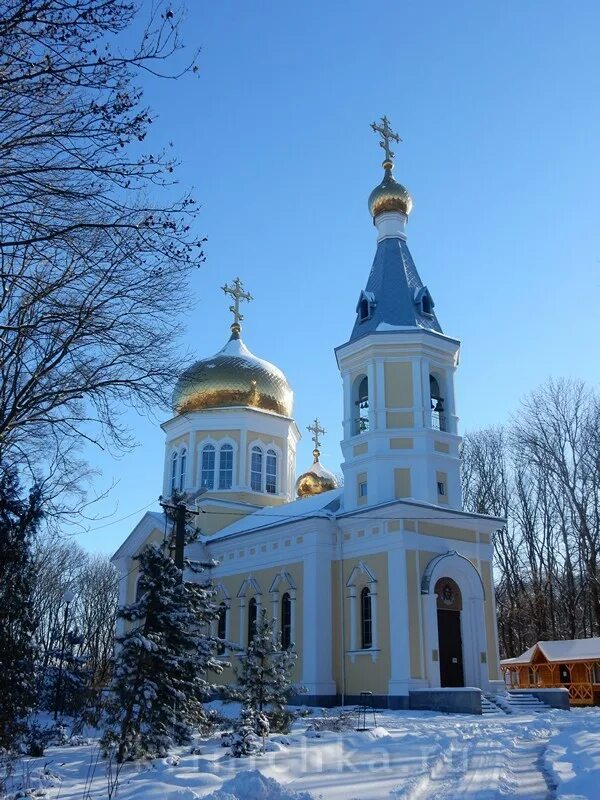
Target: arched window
point(256, 459)
point(226, 467)
point(361, 403)
point(182, 465)
point(207, 470)
point(286, 621)
point(366, 619)
point(139, 587)
point(252, 618)
point(426, 303)
point(364, 312)
point(173, 473)
point(221, 627)
point(438, 418)
point(271, 482)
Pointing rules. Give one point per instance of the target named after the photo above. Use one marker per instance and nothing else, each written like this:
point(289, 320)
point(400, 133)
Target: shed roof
point(564, 651)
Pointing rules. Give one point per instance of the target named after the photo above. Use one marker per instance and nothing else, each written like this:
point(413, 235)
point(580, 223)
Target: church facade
point(383, 584)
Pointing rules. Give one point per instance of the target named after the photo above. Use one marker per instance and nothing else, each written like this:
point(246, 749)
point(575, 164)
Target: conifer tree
point(159, 680)
point(264, 675)
point(19, 520)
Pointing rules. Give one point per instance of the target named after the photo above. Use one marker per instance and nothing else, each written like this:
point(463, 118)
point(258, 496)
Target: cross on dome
point(387, 135)
point(237, 292)
point(316, 429)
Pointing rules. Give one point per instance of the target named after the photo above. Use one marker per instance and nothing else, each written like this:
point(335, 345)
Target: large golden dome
point(233, 377)
point(315, 480)
point(389, 195)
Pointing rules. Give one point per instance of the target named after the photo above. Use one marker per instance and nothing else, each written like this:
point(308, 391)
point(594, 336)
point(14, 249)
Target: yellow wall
point(398, 384)
point(363, 673)
point(400, 419)
point(264, 578)
point(446, 531)
point(398, 443)
point(402, 487)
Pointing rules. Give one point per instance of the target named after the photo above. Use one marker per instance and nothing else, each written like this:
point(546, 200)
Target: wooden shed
point(573, 664)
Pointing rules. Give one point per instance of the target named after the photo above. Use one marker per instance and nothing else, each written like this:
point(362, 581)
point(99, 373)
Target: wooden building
point(573, 664)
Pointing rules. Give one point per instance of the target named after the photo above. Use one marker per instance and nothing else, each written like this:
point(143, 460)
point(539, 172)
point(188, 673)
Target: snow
point(319, 505)
point(406, 756)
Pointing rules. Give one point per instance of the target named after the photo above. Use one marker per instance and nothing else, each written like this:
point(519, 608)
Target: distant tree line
point(542, 472)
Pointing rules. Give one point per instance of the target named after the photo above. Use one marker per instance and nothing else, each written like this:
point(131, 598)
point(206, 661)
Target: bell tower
point(400, 424)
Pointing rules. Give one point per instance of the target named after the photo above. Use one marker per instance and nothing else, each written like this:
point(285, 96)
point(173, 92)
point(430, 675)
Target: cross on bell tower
point(237, 292)
point(387, 135)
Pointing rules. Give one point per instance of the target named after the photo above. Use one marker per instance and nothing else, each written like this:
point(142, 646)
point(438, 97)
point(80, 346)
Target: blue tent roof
point(393, 292)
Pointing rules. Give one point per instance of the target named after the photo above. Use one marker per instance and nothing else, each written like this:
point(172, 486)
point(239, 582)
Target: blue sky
point(498, 107)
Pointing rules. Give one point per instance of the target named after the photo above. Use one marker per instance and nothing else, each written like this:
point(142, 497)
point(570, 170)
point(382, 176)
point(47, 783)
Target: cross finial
point(316, 429)
point(387, 135)
point(237, 292)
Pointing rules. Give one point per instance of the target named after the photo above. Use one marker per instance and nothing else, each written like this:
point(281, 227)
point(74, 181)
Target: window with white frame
point(226, 467)
point(173, 473)
point(271, 472)
point(222, 627)
point(286, 621)
point(366, 619)
point(256, 465)
point(182, 466)
point(207, 467)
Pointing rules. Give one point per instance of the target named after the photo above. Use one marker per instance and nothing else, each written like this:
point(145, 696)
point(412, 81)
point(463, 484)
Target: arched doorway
point(449, 607)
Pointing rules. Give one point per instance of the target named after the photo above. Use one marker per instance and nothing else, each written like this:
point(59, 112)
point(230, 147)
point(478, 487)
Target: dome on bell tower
point(389, 195)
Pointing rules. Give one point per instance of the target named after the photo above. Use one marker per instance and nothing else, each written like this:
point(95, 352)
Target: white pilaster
point(317, 622)
point(398, 615)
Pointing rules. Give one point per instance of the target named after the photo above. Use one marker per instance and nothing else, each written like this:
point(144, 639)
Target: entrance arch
point(442, 574)
point(450, 649)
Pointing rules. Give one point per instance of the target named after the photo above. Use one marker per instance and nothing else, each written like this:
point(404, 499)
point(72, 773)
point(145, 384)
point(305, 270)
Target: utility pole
point(179, 513)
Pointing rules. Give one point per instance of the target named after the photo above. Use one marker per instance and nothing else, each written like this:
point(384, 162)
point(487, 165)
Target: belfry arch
point(452, 586)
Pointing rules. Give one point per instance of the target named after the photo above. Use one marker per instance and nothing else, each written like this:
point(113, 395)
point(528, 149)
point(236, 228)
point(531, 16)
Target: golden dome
point(389, 195)
point(233, 377)
point(315, 480)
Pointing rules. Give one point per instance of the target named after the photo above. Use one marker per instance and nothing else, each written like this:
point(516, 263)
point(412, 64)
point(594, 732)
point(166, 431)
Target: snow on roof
point(565, 650)
point(317, 506)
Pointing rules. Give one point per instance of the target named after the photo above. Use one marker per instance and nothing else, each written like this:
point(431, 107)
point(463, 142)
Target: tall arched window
point(361, 404)
point(139, 587)
point(207, 470)
point(226, 467)
point(221, 627)
point(271, 482)
point(256, 460)
point(252, 618)
point(182, 466)
point(286, 621)
point(366, 619)
point(438, 418)
point(173, 473)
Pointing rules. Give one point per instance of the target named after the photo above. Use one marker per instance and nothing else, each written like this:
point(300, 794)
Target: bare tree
point(95, 246)
point(543, 474)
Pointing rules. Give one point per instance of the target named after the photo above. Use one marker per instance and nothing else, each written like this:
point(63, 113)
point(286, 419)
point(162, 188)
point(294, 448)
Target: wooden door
point(450, 652)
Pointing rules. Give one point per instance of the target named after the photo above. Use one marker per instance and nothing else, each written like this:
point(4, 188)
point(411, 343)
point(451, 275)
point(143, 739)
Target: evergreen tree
point(159, 680)
point(19, 520)
point(264, 676)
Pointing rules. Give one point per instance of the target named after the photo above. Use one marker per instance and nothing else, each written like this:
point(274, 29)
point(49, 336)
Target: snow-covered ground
point(406, 756)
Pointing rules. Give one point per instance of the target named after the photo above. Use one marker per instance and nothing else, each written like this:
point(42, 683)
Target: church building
point(383, 584)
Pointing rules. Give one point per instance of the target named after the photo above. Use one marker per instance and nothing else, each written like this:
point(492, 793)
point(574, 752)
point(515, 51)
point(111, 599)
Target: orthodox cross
point(237, 292)
point(316, 429)
point(387, 135)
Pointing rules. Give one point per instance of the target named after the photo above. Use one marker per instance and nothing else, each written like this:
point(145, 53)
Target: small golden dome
point(233, 377)
point(315, 480)
point(389, 195)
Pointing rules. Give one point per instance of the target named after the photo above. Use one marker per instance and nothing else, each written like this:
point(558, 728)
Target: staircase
point(490, 705)
point(520, 703)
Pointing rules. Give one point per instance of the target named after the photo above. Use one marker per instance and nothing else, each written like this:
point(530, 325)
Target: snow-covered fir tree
point(19, 520)
point(264, 678)
point(160, 676)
